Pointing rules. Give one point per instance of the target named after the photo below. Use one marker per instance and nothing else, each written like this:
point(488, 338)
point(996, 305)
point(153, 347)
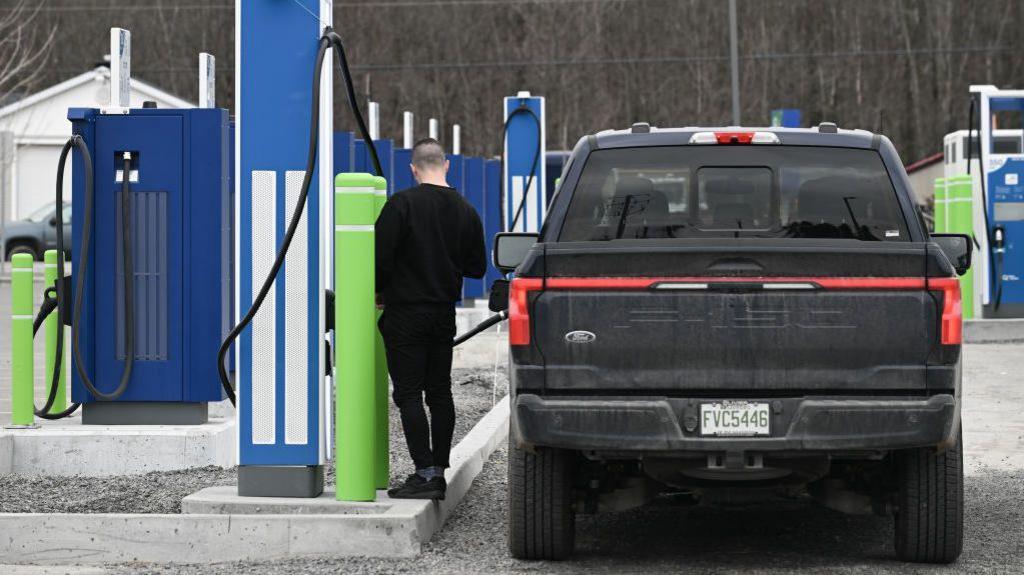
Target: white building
point(33, 129)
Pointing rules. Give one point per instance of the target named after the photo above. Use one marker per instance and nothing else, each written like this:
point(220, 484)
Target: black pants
point(418, 340)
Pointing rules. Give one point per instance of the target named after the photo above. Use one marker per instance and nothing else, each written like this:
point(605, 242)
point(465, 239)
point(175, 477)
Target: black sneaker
point(415, 487)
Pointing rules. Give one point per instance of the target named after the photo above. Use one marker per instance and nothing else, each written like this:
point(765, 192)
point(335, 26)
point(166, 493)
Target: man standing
point(428, 239)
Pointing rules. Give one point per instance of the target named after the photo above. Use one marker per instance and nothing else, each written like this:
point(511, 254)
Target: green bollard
point(382, 447)
point(60, 403)
point(960, 215)
point(354, 341)
point(22, 373)
point(941, 203)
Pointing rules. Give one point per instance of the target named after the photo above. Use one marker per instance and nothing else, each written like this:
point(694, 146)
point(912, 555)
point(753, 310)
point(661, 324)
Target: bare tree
point(24, 48)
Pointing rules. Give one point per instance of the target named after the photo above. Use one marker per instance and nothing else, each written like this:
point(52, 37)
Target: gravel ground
point(773, 537)
point(161, 492)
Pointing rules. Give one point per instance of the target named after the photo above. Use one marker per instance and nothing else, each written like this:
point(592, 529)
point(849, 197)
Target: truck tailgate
point(719, 329)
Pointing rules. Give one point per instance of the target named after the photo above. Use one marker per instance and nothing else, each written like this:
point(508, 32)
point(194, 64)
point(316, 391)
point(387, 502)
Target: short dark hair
point(428, 154)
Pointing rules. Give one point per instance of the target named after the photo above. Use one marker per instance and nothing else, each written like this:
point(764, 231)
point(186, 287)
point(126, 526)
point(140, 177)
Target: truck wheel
point(541, 522)
point(930, 512)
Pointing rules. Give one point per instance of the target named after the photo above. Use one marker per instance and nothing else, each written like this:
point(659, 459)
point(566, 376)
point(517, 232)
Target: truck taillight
point(952, 330)
point(519, 309)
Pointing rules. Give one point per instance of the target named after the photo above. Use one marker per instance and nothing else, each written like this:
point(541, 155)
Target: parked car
point(731, 314)
point(37, 233)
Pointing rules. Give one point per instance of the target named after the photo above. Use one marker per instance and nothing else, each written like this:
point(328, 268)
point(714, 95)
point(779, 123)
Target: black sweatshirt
point(428, 238)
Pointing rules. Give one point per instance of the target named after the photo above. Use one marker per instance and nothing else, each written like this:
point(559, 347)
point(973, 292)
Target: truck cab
point(727, 314)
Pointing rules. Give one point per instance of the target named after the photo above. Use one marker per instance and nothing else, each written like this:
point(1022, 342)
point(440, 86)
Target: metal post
point(49, 278)
point(355, 350)
point(734, 63)
point(456, 139)
point(433, 128)
point(21, 340)
point(382, 446)
point(207, 81)
point(373, 111)
point(407, 130)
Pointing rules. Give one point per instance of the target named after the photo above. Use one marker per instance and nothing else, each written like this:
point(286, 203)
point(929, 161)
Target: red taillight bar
point(519, 314)
point(952, 323)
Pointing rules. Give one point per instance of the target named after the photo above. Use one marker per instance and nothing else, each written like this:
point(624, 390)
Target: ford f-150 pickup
point(730, 314)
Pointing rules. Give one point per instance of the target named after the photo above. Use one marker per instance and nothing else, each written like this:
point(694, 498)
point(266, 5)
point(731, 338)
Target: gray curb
point(399, 530)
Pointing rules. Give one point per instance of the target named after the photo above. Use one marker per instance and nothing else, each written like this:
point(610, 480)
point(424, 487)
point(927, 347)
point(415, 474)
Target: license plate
point(734, 418)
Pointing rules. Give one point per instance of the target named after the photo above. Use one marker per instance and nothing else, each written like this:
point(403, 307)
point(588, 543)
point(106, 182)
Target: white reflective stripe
point(681, 286)
point(50, 266)
point(518, 183)
point(789, 286)
point(22, 270)
point(380, 193)
point(19, 316)
point(354, 190)
point(352, 228)
point(264, 338)
point(296, 309)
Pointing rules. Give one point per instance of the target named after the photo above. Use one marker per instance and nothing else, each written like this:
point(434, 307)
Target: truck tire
point(930, 504)
point(541, 521)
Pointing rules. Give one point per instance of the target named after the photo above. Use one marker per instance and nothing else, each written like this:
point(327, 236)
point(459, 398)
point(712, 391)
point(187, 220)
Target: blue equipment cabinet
point(181, 244)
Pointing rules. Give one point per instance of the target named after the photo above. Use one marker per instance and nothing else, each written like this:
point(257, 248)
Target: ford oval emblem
point(580, 336)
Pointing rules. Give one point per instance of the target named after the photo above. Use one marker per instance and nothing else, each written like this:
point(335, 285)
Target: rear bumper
point(665, 425)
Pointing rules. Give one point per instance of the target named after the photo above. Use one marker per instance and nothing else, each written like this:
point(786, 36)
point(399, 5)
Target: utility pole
point(734, 62)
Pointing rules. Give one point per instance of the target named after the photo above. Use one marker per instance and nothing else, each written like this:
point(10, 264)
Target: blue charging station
point(1001, 211)
point(284, 431)
point(180, 241)
point(524, 115)
point(473, 191)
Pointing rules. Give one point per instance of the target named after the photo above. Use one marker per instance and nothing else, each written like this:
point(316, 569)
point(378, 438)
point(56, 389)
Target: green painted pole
point(49, 277)
point(382, 447)
point(354, 342)
point(959, 213)
point(21, 340)
point(940, 206)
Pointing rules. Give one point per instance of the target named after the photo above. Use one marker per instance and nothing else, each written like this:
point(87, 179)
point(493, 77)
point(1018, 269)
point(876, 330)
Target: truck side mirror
point(510, 249)
point(498, 300)
point(957, 248)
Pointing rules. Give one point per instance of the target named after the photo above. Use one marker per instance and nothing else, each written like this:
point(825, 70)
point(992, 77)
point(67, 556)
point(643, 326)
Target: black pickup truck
point(730, 314)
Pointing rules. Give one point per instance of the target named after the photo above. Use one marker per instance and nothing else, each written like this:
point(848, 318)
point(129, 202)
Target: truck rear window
point(734, 191)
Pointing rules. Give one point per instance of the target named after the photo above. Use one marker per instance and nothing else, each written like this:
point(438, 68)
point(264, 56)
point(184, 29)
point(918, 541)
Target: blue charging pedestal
point(283, 404)
point(179, 229)
point(520, 150)
point(1001, 269)
point(473, 191)
point(402, 158)
point(492, 214)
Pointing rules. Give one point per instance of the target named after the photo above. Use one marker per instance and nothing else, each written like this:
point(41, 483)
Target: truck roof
point(826, 134)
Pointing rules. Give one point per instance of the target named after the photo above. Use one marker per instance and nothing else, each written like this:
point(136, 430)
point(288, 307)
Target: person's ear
point(415, 174)
point(446, 163)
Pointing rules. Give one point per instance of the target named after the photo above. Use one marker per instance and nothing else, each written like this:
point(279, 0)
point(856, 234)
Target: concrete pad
point(232, 529)
point(993, 393)
point(993, 330)
point(51, 570)
point(67, 447)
